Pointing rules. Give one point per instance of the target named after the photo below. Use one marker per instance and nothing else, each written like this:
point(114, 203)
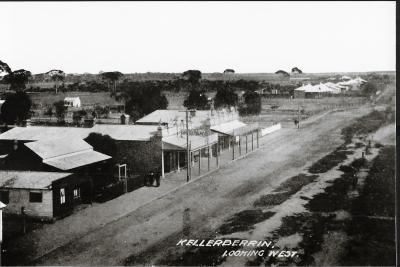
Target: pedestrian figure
point(158, 177)
point(355, 180)
point(296, 122)
point(151, 178)
point(23, 214)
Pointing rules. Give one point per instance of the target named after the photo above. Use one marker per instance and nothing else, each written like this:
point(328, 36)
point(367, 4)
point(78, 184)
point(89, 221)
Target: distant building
point(314, 91)
point(44, 195)
point(72, 102)
point(353, 84)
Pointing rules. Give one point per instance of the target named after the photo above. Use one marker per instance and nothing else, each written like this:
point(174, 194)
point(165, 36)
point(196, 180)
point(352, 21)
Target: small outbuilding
point(44, 195)
point(74, 102)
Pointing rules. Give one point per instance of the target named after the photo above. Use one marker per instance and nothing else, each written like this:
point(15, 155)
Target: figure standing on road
point(158, 177)
point(355, 180)
point(296, 122)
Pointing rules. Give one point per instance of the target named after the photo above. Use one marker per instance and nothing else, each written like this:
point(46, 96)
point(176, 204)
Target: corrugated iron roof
point(57, 147)
point(34, 133)
point(29, 180)
point(228, 128)
point(72, 161)
point(196, 142)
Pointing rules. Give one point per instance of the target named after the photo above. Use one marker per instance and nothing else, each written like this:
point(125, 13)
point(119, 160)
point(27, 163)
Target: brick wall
point(140, 156)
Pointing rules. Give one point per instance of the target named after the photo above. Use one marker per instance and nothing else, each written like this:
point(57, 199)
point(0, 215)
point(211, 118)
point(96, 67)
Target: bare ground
point(151, 232)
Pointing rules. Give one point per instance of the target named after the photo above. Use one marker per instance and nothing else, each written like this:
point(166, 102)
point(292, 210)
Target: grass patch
point(330, 161)
point(244, 221)
point(285, 190)
point(372, 243)
point(368, 124)
point(378, 197)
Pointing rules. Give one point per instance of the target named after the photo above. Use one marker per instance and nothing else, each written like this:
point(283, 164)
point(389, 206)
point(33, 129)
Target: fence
point(271, 129)
point(117, 189)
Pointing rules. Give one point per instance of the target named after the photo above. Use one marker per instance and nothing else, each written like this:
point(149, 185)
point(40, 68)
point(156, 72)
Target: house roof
point(29, 180)
point(58, 147)
point(71, 98)
point(196, 142)
point(318, 88)
point(75, 160)
point(228, 128)
point(118, 132)
point(335, 87)
point(34, 133)
point(304, 87)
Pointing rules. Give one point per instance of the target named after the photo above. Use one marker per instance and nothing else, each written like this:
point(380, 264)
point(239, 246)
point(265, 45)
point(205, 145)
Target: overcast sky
point(133, 37)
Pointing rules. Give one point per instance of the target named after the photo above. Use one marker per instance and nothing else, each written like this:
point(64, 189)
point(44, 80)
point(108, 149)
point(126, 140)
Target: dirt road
point(202, 205)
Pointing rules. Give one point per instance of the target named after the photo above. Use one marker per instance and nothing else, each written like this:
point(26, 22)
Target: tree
point(57, 76)
point(49, 112)
point(369, 88)
point(61, 109)
point(252, 104)
point(296, 70)
point(4, 68)
point(142, 98)
point(225, 97)
point(192, 76)
point(17, 79)
point(229, 71)
point(106, 145)
point(196, 100)
point(16, 108)
point(282, 72)
point(112, 76)
point(78, 115)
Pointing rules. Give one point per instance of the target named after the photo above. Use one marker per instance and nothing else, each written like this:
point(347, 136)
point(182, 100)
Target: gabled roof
point(335, 87)
point(29, 180)
point(58, 147)
point(304, 87)
point(66, 154)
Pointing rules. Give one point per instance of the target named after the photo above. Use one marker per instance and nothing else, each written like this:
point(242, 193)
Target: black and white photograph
point(204, 133)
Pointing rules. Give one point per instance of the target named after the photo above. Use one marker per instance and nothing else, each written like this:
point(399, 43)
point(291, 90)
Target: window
point(5, 197)
point(77, 192)
point(62, 195)
point(35, 197)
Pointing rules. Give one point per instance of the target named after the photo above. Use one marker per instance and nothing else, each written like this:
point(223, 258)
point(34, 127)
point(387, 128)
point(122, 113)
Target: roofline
point(25, 188)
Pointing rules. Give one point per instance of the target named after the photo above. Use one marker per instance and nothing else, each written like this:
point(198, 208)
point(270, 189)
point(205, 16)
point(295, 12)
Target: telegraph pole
point(187, 146)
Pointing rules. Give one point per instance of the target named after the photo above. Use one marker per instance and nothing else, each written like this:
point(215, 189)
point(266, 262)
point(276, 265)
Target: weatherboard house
point(43, 195)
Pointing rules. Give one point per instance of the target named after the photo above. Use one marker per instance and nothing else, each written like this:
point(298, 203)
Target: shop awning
point(196, 142)
point(235, 128)
point(228, 128)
